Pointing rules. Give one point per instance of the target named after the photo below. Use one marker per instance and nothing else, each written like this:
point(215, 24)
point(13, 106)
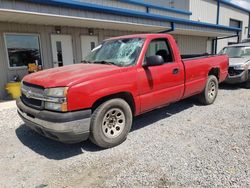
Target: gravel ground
point(183, 145)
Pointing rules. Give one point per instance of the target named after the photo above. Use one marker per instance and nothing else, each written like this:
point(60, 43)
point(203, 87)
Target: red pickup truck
point(121, 78)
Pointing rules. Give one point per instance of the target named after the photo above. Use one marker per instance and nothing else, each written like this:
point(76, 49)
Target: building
point(61, 32)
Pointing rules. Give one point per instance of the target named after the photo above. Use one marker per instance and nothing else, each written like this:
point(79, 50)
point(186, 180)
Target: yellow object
point(14, 89)
point(32, 67)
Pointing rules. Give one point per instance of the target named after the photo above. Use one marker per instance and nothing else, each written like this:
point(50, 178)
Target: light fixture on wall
point(91, 31)
point(58, 29)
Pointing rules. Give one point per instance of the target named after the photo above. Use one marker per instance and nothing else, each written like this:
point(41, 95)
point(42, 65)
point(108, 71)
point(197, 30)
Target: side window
point(160, 47)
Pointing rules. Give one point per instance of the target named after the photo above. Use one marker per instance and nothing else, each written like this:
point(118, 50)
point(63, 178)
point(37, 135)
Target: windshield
point(236, 51)
point(119, 52)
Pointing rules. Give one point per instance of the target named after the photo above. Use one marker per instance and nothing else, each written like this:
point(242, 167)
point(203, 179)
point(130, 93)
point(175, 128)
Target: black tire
point(207, 97)
point(99, 134)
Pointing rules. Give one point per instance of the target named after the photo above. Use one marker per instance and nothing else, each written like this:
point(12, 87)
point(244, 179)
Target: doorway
point(62, 50)
point(88, 43)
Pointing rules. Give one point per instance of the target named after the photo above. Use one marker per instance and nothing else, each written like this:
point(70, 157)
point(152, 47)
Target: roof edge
point(127, 12)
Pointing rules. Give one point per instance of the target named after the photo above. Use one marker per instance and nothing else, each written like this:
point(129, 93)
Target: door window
point(92, 45)
point(160, 47)
point(59, 53)
point(23, 49)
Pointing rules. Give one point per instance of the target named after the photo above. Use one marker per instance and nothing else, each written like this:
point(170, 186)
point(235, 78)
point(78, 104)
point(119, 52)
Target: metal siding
point(191, 44)
point(165, 13)
point(180, 4)
point(116, 3)
point(227, 12)
point(203, 10)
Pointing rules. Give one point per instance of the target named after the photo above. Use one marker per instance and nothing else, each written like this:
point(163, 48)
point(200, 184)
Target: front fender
point(84, 95)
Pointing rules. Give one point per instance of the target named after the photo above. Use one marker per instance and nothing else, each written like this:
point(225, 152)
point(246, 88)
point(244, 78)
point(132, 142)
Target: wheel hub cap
point(211, 90)
point(113, 123)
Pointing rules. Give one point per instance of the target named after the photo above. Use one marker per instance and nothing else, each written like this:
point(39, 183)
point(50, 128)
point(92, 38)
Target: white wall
point(192, 44)
point(203, 10)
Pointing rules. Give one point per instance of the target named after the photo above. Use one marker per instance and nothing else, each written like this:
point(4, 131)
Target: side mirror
point(154, 60)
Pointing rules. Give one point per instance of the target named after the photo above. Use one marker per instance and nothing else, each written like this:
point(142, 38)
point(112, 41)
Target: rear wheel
point(210, 92)
point(111, 123)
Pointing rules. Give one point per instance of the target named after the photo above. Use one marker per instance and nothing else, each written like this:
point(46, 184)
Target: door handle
point(175, 71)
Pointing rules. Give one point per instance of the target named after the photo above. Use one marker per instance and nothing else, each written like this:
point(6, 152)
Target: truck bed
point(196, 67)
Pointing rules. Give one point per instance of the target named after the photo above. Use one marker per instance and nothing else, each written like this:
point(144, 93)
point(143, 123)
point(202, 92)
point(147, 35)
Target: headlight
point(56, 99)
point(61, 107)
point(243, 66)
point(56, 92)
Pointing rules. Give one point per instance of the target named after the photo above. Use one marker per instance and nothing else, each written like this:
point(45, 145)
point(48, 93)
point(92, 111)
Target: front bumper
point(69, 127)
point(239, 78)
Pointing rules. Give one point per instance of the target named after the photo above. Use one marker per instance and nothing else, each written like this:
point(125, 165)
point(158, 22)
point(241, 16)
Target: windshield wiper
point(88, 62)
point(105, 62)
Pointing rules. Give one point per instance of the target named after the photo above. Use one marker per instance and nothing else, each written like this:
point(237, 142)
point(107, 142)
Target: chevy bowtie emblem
point(28, 94)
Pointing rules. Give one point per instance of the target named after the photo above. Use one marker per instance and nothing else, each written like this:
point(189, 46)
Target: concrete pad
point(7, 105)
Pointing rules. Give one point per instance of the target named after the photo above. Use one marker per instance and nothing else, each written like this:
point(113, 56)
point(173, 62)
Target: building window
point(23, 49)
point(235, 23)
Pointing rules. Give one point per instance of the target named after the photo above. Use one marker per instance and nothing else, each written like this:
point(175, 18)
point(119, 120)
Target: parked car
point(121, 78)
point(239, 63)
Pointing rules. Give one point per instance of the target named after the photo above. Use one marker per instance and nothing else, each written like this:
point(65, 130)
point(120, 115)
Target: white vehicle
point(239, 63)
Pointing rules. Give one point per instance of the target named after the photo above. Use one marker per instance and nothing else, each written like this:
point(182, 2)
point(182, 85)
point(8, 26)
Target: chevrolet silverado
point(121, 78)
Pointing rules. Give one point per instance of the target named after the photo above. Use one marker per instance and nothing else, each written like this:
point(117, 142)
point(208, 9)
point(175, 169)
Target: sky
point(242, 3)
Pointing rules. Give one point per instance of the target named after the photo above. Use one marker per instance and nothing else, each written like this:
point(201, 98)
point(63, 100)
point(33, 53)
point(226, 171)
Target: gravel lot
point(183, 145)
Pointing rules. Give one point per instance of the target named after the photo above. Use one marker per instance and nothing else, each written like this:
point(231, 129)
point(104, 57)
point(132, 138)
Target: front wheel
point(210, 92)
point(111, 123)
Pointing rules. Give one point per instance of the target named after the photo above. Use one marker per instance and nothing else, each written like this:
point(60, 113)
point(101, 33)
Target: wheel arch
point(127, 96)
point(215, 71)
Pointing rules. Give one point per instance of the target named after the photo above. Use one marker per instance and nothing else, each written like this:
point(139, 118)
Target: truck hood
point(71, 75)
point(238, 61)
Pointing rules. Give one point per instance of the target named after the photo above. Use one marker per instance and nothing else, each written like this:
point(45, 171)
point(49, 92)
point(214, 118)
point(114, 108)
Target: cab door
point(163, 84)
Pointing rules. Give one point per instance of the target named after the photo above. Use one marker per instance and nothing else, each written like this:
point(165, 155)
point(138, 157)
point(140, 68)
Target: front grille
point(233, 72)
point(35, 90)
point(34, 103)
